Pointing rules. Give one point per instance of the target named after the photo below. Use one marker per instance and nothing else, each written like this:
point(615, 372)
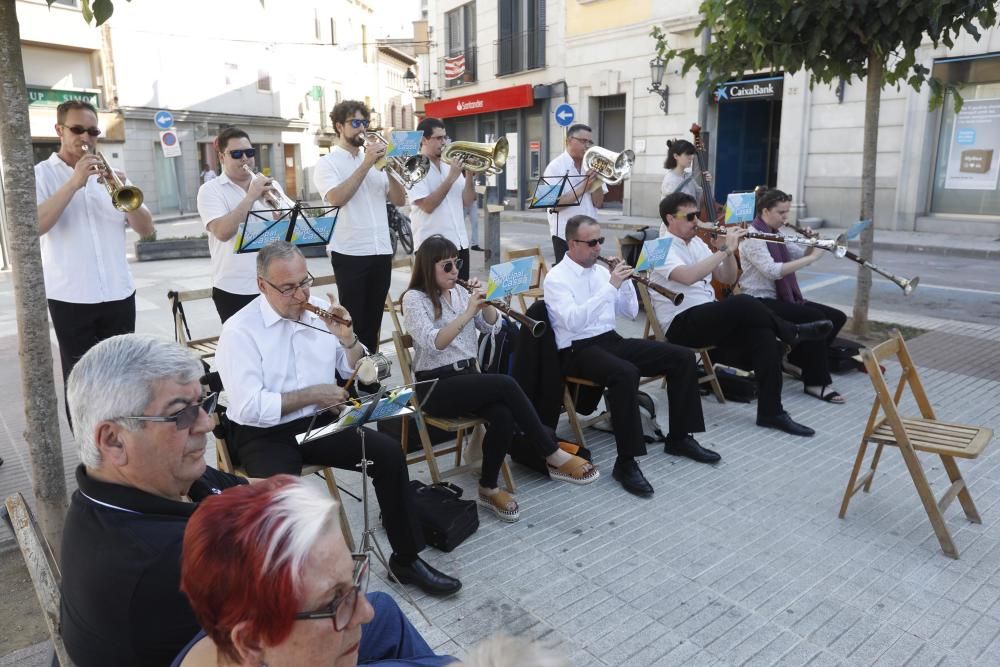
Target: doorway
point(166, 181)
point(611, 135)
point(746, 146)
point(291, 182)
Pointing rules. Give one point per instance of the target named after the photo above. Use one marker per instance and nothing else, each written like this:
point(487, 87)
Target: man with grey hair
point(280, 364)
point(577, 198)
point(140, 421)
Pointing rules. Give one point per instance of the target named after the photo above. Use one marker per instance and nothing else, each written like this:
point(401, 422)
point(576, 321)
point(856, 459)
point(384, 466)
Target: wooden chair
point(571, 393)
point(655, 331)
point(43, 568)
point(392, 307)
point(460, 426)
point(534, 291)
point(912, 434)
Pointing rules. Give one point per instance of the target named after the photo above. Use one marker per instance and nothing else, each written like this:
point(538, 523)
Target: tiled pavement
point(745, 562)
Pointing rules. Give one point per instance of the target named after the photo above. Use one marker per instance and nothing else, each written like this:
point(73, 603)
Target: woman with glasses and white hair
point(272, 582)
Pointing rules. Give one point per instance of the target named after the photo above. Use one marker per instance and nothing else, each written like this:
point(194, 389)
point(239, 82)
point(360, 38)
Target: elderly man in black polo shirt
point(140, 421)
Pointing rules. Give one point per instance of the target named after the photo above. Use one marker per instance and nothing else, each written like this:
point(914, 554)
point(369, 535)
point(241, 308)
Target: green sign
point(316, 93)
point(53, 97)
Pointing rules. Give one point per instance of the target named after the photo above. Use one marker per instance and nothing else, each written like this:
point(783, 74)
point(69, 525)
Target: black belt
point(460, 367)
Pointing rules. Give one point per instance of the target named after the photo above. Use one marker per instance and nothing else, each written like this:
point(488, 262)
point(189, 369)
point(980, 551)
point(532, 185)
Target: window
point(459, 65)
point(64, 3)
point(263, 81)
point(521, 35)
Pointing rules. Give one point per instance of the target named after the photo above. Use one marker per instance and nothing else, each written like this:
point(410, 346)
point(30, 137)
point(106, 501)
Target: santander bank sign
point(514, 97)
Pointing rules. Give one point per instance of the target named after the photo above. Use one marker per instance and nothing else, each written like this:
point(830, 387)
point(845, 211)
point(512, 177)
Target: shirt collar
point(223, 178)
point(130, 499)
point(271, 316)
point(58, 163)
point(575, 268)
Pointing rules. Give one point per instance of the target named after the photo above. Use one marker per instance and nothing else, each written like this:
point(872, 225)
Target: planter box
point(171, 249)
point(315, 251)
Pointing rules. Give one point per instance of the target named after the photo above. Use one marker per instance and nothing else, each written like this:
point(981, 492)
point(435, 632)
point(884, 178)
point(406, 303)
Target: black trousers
point(273, 451)
point(618, 363)
point(560, 247)
point(811, 355)
point(499, 400)
point(463, 255)
point(362, 283)
point(228, 304)
point(742, 322)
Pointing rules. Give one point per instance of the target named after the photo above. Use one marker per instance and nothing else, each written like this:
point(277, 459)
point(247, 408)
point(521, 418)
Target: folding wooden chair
point(460, 426)
point(534, 291)
point(393, 307)
point(912, 434)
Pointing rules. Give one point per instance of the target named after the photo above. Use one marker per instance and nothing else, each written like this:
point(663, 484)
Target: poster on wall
point(974, 152)
point(512, 159)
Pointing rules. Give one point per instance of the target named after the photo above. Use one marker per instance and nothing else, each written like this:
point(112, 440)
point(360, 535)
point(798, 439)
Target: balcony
point(520, 51)
point(464, 78)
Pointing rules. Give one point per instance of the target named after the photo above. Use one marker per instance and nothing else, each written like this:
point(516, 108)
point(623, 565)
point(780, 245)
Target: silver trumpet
point(408, 170)
point(274, 198)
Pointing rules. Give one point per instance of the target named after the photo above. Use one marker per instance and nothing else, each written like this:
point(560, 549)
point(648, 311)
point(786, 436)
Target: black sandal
point(831, 396)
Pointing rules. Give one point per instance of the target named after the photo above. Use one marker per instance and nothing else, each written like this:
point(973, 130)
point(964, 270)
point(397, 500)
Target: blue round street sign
point(564, 114)
point(164, 119)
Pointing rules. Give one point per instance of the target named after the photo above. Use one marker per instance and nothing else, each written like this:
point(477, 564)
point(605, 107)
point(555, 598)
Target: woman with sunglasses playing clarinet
point(442, 318)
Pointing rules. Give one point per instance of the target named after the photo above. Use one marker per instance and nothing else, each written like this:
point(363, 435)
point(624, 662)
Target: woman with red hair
point(272, 583)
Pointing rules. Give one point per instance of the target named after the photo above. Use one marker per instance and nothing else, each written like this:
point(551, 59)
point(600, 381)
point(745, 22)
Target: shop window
point(520, 41)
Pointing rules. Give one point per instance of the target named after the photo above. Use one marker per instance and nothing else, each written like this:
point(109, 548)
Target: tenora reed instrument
point(326, 314)
point(126, 198)
point(479, 158)
point(905, 284)
point(537, 327)
point(670, 295)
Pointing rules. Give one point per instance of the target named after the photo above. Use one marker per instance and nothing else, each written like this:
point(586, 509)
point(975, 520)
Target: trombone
point(408, 170)
point(126, 198)
point(479, 158)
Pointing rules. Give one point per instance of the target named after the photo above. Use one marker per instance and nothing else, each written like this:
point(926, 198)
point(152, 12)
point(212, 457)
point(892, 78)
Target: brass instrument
point(479, 158)
point(126, 198)
point(905, 284)
point(326, 314)
point(612, 168)
point(407, 170)
point(537, 327)
point(837, 246)
point(274, 199)
point(673, 297)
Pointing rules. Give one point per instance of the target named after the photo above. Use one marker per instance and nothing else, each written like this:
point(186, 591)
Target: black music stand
point(549, 190)
point(300, 225)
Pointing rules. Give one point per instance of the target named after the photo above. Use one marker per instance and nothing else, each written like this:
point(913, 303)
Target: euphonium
point(126, 198)
point(407, 170)
point(611, 168)
point(479, 158)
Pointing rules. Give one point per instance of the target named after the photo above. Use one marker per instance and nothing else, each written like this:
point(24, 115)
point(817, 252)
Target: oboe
point(537, 327)
point(670, 295)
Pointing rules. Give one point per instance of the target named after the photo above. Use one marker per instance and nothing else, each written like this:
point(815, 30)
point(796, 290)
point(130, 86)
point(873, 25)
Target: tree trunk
point(37, 385)
point(873, 101)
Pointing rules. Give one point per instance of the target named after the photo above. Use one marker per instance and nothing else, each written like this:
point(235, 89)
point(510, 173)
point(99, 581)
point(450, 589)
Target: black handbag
point(447, 520)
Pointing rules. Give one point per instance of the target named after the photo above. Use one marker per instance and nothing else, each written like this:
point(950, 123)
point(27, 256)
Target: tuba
point(611, 168)
point(479, 158)
point(407, 170)
point(126, 198)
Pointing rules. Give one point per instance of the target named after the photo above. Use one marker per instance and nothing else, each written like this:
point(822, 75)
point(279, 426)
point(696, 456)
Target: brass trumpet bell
point(125, 198)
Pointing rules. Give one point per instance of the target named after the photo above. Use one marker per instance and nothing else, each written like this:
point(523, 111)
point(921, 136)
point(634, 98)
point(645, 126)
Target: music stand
point(300, 225)
point(549, 190)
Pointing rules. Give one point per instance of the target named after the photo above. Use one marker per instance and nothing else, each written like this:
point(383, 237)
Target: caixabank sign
point(751, 90)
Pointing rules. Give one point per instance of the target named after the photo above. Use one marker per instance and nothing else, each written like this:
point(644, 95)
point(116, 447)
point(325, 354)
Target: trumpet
point(126, 198)
point(274, 199)
point(537, 327)
point(326, 314)
point(612, 168)
point(407, 170)
point(673, 297)
point(479, 158)
point(905, 284)
point(837, 246)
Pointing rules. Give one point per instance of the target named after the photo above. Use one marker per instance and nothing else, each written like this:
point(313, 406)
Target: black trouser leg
point(812, 356)
point(560, 247)
point(463, 272)
point(228, 304)
point(271, 451)
point(362, 284)
point(499, 400)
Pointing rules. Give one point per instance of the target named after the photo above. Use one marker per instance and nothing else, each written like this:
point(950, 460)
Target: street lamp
point(414, 86)
point(656, 67)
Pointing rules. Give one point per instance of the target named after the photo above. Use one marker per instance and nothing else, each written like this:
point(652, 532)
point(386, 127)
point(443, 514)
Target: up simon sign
point(752, 90)
point(53, 97)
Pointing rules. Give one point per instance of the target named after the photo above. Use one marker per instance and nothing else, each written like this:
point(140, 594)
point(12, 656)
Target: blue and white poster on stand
point(509, 278)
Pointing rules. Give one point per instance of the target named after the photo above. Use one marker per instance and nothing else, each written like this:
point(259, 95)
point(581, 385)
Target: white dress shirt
point(696, 294)
point(759, 268)
point(582, 303)
point(262, 355)
point(363, 224)
point(448, 219)
point(231, 272)
point(562, 166)
point(83, 254)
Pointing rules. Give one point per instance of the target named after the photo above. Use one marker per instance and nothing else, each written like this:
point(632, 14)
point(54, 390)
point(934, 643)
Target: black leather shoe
point(690, 448)
point(818, 330)
point(627, 472)
point(477, 248)
point(783, 422)
point(425, 577)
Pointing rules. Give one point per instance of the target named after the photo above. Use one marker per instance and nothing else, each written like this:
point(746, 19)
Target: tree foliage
point(832, 39)
point(95, 11)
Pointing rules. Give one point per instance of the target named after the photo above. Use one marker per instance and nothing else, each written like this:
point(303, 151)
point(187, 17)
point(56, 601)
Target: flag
point(454, 67)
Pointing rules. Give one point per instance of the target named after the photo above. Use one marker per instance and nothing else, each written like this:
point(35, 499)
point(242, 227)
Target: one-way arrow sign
point(564, 115)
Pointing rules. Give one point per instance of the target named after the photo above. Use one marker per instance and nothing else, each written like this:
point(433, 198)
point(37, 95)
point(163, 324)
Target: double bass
point(710, 211)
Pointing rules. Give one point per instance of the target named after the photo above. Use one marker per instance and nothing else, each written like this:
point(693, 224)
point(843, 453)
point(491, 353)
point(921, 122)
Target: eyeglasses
point(443, 137)
point(690, 217)
point(80, 129)
point(452, 264)
point(360, 122)
point(288, 291)
point(186, 417)
point(342, 608)
point(238, 153)
point(585, 142)
point(593, 243)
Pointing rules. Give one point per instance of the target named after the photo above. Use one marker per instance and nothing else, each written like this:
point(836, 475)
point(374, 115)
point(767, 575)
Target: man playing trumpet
point(87, 280)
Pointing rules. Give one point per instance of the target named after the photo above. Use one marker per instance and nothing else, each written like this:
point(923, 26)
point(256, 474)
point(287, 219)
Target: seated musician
point(442, 317)
point(738, 321)
point(582, 299)
point(769, 274)
point(279, 364)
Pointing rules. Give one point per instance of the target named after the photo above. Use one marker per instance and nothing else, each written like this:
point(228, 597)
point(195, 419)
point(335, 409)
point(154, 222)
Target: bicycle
point(400, 230)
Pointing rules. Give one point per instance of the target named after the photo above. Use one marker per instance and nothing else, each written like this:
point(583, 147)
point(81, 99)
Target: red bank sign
point(514, 97)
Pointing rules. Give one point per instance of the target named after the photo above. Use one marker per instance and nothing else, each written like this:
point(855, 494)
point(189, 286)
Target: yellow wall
point(596, 15)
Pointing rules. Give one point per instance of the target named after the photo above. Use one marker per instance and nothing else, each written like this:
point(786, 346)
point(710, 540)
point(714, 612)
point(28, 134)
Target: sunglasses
point(342, 608)
point(690, 217)
point(238, 153)
point(359, 122)
point(452, 264)
point(186, 417)
point(80, 129)
point(592, 243)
